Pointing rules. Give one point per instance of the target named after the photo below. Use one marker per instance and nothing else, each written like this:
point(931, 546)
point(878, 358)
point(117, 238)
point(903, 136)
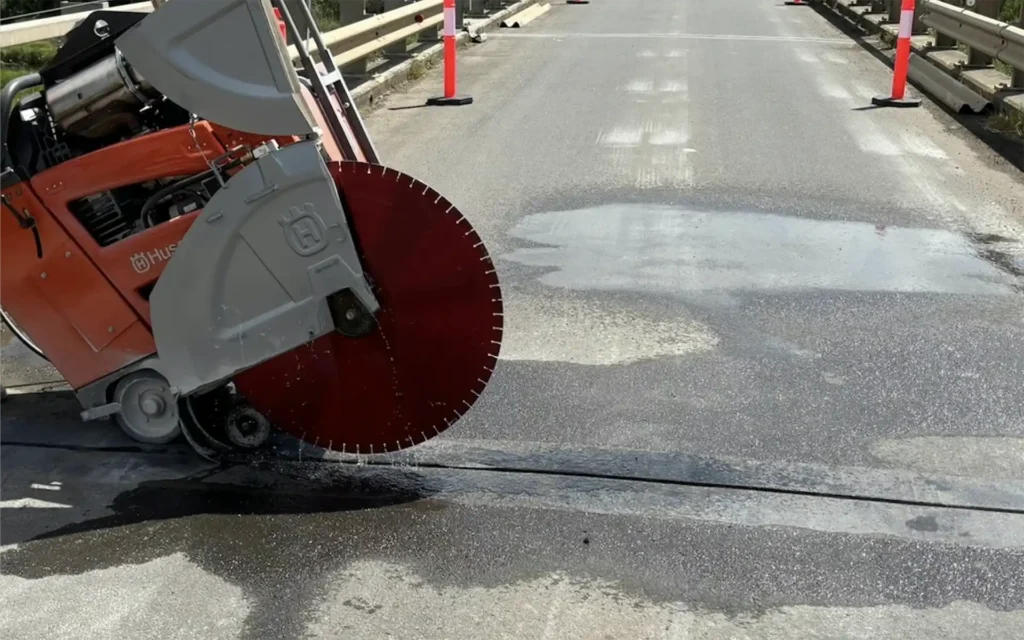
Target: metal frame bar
point(322, 86)
point(335, 80)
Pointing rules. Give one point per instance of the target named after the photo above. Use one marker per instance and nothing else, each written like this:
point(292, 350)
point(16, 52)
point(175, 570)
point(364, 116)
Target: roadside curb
point(984, 82)
point(369, 93)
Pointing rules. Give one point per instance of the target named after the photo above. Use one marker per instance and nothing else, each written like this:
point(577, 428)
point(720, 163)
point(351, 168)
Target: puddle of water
point(662, 249)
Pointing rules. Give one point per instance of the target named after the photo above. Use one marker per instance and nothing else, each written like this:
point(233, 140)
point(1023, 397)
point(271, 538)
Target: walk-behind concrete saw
point(197, 234)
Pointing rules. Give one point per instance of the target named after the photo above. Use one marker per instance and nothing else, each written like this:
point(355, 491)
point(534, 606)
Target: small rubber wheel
point(247, 428)
point(149, 411)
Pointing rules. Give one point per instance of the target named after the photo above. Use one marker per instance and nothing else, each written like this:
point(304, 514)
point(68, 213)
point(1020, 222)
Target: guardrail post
point(942, 41)
point(893, 10)
point(482, 8)
point(1018, 74)
point(989, 9)
point(351, 11)
point(399, 49)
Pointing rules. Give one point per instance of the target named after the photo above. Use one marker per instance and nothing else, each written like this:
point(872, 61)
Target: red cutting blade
point(438, 329)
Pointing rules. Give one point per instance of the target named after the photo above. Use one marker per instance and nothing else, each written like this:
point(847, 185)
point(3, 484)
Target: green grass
point(32, 56)
point(23, 60)
point(7, 74)
point(10, 73)
point(1008, 121)
point(1009, 10)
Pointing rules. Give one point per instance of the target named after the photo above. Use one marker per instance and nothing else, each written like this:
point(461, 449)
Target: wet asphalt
point(761, 377)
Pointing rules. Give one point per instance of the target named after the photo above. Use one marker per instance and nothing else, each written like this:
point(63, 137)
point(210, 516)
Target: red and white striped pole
point(902, 63)
point(449, 98)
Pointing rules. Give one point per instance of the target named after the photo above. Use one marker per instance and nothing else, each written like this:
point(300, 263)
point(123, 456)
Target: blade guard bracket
point(255, 274)
point(225, 61)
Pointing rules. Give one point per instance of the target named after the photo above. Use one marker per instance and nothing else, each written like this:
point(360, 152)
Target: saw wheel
point(436, 338)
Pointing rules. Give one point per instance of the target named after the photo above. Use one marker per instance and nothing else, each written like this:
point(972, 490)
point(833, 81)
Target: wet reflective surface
point(662, 249)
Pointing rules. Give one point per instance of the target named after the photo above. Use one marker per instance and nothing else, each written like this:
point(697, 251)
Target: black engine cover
point(92, 40)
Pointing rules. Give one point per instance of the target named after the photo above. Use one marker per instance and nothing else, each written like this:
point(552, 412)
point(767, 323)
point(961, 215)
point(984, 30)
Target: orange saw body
point(223, 259)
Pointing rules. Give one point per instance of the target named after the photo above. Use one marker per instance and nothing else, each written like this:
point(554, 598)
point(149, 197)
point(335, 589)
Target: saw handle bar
point(26, 221)
point(10, 90)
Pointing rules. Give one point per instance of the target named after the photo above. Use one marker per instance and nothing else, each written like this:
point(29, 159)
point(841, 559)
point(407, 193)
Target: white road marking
point(870, 138)
point(833, 90)
point(671, 53)
point(835, 58)
point(622, 136)
point(807, 56)
point(640, 86)
point(866, 92)
point(31, 503)
point(669, 137)
point(648, 87)
point(673, 86)
point(921, 146)
point(939, 202)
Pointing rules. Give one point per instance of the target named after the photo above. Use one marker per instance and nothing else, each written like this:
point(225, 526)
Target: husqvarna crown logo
point(143, 261)
point(304, 229)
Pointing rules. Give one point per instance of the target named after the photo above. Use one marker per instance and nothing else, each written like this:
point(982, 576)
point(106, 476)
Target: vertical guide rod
point(320, 91)
point(335, 80)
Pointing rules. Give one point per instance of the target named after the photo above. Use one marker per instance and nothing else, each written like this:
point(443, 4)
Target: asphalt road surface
point(761, 377)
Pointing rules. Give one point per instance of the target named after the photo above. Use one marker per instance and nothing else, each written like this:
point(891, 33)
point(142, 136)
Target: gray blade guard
point(250, 278)
point(223, 60)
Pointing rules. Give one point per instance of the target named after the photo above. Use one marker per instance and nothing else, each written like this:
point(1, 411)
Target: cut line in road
point(870, 485)
point(675, 36)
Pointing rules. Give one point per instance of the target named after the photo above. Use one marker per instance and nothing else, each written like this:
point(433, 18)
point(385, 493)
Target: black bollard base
point(454, 101)
point(886, 101)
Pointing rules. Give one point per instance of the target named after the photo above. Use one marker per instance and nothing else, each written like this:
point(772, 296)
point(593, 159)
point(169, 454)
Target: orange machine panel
point(169, 153)
point(136, 262)
point(61, 300)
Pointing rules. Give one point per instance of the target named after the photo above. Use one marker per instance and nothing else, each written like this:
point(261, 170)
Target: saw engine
point(197, 233)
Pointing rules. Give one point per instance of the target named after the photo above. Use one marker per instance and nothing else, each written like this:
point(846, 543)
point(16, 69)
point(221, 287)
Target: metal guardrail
point(1000, 40)
point(54, 27)
point(352, 45)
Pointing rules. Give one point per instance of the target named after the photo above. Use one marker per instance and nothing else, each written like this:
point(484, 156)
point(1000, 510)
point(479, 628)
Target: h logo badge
point(304, 229)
